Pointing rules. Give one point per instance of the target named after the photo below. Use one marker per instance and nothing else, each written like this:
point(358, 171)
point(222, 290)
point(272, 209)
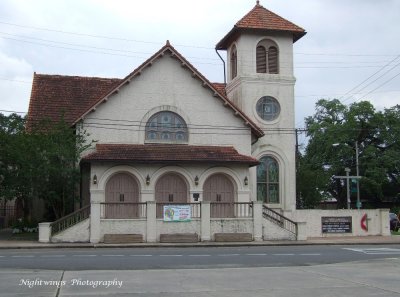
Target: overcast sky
point(347, 41)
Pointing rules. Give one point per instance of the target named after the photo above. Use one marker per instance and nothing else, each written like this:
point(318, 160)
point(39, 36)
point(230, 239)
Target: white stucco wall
point(228, 225)
point(77, 233)
point(166, 85)
point(272, 231)
point(194, 226)
point(120, 226)
point(378, 221)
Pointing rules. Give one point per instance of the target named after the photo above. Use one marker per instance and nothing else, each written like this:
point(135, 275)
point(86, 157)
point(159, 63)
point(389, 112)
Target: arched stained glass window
point(166, 126)
point(268, 180)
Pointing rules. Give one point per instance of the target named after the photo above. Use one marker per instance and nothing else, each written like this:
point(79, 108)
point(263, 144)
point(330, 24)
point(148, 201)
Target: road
point(190, 258)
point(279, 271)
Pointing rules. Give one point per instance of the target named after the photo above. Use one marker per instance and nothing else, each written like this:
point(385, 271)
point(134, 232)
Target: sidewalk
point(8, 243)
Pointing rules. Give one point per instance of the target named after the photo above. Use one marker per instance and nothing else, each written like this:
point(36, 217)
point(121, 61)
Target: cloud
point(15, 83)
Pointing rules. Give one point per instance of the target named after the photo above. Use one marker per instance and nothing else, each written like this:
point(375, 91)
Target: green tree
point(11, 134)
point(375, 132)
point(42, 163)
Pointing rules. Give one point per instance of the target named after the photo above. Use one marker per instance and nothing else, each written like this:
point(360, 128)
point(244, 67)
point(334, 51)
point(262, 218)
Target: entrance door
point(219, 190)
point(122, 190)
point(170, 188)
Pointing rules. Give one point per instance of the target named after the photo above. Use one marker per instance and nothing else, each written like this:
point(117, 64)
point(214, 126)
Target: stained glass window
point(268, 180)
point(268, 108)
point(166, 126)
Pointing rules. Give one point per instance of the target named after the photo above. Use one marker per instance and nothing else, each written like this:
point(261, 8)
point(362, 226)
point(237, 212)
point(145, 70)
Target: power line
point(15, 80)
point(386, 82)
point(97, 36)
point(102, 51)
point(375, 73)
point(12, 111)
point(92, 47)
point(181, 45)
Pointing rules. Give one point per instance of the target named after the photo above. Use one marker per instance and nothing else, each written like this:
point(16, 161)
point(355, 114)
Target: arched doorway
point(170, 188)
point(219, 189)
point(122, 191)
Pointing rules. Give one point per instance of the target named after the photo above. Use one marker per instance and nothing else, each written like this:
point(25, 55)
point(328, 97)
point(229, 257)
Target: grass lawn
point(24, 236)
point(396, 233)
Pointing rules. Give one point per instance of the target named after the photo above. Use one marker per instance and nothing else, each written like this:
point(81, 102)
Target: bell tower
point(260, 81)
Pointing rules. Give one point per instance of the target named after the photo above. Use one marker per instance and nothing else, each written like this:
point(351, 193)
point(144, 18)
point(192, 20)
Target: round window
point(268, 108)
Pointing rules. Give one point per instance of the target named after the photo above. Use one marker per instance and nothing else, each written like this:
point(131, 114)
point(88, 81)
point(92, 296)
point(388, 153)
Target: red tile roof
point(220, 87)
point(55, 95)
point(168, 153)
point(260, 18)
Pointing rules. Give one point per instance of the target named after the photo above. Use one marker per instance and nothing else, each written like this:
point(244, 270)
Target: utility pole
point(357, 172)
point(358, 181)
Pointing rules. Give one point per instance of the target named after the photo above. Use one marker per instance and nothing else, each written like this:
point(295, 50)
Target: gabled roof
point(55, 95)
point(169, 49)
point(261, 19)
point(168, 153)
point(74, 96)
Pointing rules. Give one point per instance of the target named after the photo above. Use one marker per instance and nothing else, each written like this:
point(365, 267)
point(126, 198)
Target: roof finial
point(258, 2)
point(167, 43)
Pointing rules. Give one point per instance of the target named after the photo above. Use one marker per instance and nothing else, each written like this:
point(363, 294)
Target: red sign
point(364, 222)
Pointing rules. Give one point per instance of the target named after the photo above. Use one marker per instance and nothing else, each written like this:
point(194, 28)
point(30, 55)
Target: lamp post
point(348, 186)
point(357, 174)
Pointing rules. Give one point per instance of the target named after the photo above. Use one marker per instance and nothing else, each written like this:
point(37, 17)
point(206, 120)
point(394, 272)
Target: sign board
point(336, 224)
point(177, 213)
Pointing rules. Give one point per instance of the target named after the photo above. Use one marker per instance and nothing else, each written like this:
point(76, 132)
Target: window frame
point(233, 61)
point(267, 63)
point(277, 107)
point(266, 161)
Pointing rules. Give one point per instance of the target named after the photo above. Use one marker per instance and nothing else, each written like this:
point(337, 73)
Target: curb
point(36, 245)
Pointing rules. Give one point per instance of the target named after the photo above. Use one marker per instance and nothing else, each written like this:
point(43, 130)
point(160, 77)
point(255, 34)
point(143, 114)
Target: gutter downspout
point(223, 62)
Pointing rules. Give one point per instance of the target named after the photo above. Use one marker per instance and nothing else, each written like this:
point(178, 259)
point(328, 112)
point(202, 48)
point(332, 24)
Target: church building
point(166, 135)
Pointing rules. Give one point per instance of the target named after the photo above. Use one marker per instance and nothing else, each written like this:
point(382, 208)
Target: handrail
point(231, 209)
point(123, 210)
point(70, 220)
point(280, 220)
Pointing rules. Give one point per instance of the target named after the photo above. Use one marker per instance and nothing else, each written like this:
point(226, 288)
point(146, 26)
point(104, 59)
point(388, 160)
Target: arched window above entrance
point(166, 126)
point(268, 180)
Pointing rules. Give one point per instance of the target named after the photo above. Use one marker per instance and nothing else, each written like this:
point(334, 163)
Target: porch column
point(205, 221)
point(95, 215)
point(151, 225)
point(257, 221)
